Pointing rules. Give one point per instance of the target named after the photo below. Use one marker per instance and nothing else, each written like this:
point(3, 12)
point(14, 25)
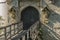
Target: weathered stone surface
point(51, 26)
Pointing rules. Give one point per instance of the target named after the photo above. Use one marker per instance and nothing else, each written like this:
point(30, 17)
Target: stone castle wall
point(51, 30)
point(51, 26)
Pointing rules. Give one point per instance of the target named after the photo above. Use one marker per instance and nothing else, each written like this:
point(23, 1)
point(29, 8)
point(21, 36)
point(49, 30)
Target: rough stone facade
point(49, 18)
point(51, 30)
point(26, 4)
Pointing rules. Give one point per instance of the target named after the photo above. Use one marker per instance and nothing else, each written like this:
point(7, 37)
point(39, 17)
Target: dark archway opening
point(29, 16)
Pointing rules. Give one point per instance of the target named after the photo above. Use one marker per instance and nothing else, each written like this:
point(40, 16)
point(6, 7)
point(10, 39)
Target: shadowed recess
point(29, 16)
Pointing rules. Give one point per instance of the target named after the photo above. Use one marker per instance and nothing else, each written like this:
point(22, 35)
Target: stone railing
point(27, 34)
point(15, 32)
point(52, 6)
point(10, 31)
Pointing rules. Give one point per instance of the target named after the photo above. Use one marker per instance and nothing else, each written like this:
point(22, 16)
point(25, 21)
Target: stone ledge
point(53, 7)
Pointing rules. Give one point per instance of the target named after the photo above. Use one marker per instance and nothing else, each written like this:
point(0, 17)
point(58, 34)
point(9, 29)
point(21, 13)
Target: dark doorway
point(29, 16)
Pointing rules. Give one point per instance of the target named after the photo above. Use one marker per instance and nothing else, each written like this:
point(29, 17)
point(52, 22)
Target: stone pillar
point(26, 37)
point(3, 13)
point(20, 39)
point(23, 38)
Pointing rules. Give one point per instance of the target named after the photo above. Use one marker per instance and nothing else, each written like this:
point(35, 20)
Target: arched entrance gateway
point(29, 16)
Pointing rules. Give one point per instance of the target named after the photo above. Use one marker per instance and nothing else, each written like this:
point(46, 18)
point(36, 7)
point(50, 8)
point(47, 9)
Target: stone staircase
point(18, 34)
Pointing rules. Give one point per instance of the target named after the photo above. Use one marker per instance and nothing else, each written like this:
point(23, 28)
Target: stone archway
point(29, 16)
